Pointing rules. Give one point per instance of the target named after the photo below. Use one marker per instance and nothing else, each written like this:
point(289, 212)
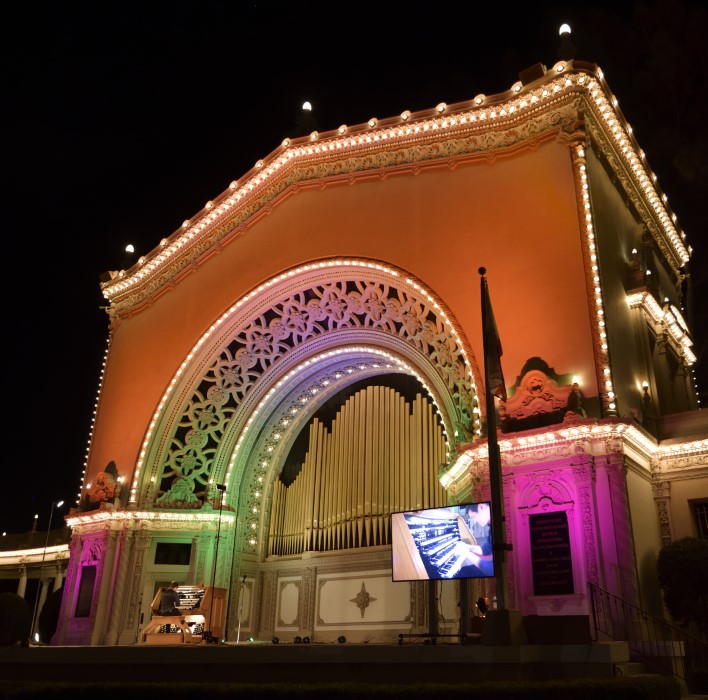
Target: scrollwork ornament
point(268, 336)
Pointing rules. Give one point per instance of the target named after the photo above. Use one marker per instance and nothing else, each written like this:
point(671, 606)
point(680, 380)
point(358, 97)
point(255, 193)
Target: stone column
point(685, 391)
point(69, 597)
point(22, 585)
point(268, 594)
point(662, 500)
point(104, 602)
point(44, 589)
point(204, 564)
point(58, 577)
point(662, 373)
point(308, 595)
point(118, 609)
point(617, 480)
point(133, 598)
point(585, 512)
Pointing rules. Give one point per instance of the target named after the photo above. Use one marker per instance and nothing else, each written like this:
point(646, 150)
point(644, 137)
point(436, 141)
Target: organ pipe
point(380, 456)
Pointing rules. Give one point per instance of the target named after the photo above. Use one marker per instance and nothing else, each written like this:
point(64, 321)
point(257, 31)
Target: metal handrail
point(659, 644)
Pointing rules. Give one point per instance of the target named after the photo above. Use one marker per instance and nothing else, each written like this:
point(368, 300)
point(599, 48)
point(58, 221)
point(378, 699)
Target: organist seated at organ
point(453, 544)
point(181, 613)
point(479, 554)
point(169, 601)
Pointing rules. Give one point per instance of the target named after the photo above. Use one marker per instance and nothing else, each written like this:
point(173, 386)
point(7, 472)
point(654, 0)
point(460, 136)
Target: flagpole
point(490, 342)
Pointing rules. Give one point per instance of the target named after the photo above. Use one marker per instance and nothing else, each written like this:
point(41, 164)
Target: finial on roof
point(566, 49)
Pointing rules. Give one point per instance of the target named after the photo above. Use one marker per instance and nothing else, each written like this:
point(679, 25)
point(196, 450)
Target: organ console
point(432, 544)
point(202, 609)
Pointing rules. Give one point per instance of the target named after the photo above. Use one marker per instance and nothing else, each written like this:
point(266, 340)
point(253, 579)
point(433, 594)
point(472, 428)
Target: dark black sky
point(122, 119)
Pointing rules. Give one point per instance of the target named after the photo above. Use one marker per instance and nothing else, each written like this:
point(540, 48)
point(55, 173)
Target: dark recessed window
point(700, 517)
point(88, 579)
point(175, 553)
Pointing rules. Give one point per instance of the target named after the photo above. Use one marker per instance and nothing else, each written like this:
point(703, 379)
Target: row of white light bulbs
point(626, 148)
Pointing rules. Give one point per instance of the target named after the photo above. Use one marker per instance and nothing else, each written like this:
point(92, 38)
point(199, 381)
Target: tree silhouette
point(683, 576)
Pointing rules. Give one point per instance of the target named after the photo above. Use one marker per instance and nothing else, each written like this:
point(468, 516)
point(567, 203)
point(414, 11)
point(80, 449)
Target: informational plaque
point(550, 554)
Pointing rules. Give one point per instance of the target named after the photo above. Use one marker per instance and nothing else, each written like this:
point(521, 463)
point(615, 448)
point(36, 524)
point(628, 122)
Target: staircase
point(655, 646)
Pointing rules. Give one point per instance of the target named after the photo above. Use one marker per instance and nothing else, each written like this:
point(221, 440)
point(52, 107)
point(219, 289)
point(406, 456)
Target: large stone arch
point(297, 337)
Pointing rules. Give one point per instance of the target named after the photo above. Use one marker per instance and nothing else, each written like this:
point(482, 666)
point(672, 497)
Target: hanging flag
point(492, 345)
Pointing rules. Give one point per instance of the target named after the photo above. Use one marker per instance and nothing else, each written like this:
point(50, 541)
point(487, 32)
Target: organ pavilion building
point(303, 358)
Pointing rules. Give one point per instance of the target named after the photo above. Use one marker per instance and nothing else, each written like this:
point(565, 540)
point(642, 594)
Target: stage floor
point(258, 662)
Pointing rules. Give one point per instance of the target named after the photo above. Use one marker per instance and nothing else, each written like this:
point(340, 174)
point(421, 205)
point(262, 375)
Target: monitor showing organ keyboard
point(442, 543)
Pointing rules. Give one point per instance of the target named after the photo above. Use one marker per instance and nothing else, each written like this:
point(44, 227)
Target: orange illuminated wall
point(515, 214)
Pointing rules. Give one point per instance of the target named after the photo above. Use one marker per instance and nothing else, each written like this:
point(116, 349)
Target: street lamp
point(33, 634)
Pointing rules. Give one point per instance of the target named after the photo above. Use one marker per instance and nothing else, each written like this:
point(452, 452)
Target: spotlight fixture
point(306, 640)
point(341, 639)
point(275, 640)
point(297, 640)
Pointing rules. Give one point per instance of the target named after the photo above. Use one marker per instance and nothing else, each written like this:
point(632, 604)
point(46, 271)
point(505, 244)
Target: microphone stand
point(209, 636)
point(240, 609)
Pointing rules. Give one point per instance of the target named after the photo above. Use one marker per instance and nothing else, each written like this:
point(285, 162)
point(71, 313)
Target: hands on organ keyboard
point(470, 553)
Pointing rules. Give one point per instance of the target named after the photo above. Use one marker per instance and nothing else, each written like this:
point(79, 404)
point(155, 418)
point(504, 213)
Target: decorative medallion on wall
point(362, 599)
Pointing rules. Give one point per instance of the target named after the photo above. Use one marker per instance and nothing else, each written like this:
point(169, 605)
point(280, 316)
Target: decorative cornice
point(606, 436)
point(39, 555)
point(613, 138)
point(150, 520)
point(668, 320)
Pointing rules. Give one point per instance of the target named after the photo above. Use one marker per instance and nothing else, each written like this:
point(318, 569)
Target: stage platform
point(318, 662)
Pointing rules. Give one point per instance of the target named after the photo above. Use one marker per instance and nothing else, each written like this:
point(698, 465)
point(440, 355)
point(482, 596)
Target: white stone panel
point(343, 597)
point(288, 599)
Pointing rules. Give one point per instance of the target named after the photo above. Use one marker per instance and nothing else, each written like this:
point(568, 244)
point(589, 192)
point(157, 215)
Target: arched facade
point(339, 261)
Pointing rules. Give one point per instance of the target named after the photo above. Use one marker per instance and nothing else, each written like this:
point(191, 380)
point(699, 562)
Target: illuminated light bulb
point(372, 122)
point(441, 107)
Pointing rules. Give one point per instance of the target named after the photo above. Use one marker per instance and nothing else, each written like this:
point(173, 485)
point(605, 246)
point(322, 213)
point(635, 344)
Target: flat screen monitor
point(450, 542)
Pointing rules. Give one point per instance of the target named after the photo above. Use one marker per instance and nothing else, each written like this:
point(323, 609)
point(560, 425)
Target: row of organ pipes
point(381, 456)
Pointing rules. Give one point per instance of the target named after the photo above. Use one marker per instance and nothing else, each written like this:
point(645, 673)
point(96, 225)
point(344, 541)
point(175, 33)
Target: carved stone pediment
point(537, 402)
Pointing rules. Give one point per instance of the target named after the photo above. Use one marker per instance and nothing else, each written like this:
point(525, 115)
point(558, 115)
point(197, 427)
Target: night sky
point(122, 119)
